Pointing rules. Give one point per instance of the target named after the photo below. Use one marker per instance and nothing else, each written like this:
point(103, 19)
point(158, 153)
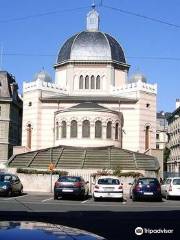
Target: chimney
point(177, 103)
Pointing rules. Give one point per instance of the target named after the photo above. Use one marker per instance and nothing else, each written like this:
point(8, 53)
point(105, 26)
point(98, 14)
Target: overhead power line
point(142, 16)
point(42, 14)
point(54, 55)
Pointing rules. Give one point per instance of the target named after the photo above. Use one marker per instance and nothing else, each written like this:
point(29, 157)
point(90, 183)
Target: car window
point(168, 181)
point(108, 181)
point(5, 178)
point(176, 181)
point(14, 178)
point(69, 179)
point(146, 181)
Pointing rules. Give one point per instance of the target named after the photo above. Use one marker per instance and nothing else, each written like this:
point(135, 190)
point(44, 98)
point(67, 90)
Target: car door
point(15, 183)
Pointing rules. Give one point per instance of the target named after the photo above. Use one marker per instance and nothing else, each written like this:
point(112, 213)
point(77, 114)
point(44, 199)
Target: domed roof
point(43, 76)
point(138, 77)
point(91, 45)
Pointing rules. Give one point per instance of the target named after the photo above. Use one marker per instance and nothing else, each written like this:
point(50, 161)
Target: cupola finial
point(93, 19)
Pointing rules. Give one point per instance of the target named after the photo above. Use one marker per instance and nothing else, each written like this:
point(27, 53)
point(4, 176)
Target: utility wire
point(141, 16)
point(42, 14)
point(128, 57)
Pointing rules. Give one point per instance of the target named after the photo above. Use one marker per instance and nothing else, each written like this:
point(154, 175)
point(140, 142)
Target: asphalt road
point(111, 219)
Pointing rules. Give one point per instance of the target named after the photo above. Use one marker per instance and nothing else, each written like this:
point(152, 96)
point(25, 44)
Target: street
point(111, 219)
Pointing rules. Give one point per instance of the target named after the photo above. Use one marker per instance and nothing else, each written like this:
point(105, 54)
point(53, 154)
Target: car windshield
point(176, 181)
point(145, 181)
point(69, 179)
point(5, 178)
point(108, 181)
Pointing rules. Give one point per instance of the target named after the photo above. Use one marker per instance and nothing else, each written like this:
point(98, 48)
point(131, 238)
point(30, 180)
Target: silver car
point(171, 187)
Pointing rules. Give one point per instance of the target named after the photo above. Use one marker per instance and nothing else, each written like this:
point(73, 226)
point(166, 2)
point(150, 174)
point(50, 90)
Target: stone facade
point(91, 68)
point(10, 116)
point(161, 130)
point(173, 164)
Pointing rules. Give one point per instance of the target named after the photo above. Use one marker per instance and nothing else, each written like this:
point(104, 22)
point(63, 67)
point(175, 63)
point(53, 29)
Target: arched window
point(73, 129)
point(117, 131)
point(98, 129)
point(147, 130)
point(109, 130)
point(29, 135)
point(92, 82)
point(81, 79)
point(86, 129)
point(63, 129)
point(98, 82)
point(87, 82)
point(57, 131)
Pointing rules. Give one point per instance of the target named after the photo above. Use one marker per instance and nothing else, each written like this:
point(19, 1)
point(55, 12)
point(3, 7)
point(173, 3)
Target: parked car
point(20, 230)
point(10, 184)
point(108, 187)
point(171, 187)
point(146, 188)
point(71, 186)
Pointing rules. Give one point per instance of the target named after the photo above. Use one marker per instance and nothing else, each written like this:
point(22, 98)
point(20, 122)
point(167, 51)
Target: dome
point(138, 77)
point(91, 46)
point(43, 76)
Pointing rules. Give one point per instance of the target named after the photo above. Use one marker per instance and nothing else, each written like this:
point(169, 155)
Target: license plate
point(67, 190)
point(148, 193)
point(108, 189)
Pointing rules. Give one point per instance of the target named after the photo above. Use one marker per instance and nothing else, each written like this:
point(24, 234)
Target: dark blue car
point(146, 188)
point(10, 184)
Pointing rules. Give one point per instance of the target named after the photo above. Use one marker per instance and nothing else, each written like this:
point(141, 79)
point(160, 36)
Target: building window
point(57, 131)
point(147, 131)
point(30, 104)
point(81, 82)
point(92, 82)
point(109, 130)
point(0, 110)
point(117, 131)
point(63, 129)
point(157, 146)
point(73, 129)
point(29, 135)
point(148, 105)
point(87, 82)
point(98, 129)
point(86, 129)
point(98, 82)
point(0, 84)
point(157, 136)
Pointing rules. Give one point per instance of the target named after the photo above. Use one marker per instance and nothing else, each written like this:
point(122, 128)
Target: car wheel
point(134, 198)
point(167, 197)
point(55, 196)
point(87, 195)
point(21, 192)
point(9, 194)
point(159, 199)
point(96, 199)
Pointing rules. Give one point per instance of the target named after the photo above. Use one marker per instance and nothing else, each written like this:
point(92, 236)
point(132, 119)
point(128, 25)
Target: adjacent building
point(173, 164)
point(10, 116)
point(161, 130)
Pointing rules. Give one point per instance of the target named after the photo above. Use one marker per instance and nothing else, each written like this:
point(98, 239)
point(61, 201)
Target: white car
point(108, 187)
point(171, 187)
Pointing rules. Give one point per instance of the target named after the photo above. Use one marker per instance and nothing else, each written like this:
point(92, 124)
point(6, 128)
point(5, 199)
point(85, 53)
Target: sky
point(32, 33)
